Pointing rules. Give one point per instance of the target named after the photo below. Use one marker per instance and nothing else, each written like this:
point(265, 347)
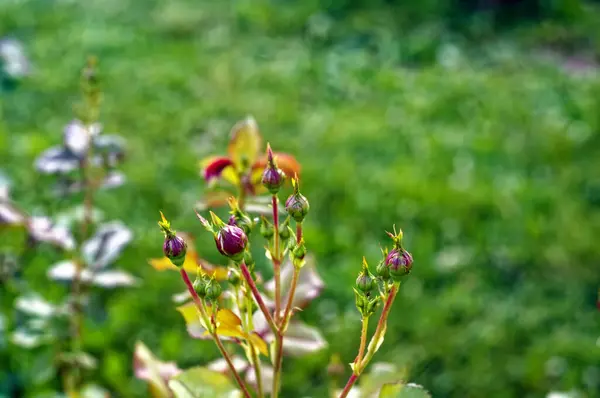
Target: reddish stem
point(298, 232)
point(258, 297)
point(202, 309)
point(275, 256)
point(349, 385)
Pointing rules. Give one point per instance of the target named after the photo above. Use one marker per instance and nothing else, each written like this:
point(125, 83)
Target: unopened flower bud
point(284, 230)
point(233, 276)
point(200, 285)
point(399, 262)
point(365, 281)
point(273, 177)
point(366, 304)
point(231, 241)
point(213, 290)
point(266, 228)
point(297, 205)
point(382, 270)
point(299, 251)
point(175, 249)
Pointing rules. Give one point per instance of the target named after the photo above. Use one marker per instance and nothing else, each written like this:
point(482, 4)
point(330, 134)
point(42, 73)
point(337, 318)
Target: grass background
point(480, 142)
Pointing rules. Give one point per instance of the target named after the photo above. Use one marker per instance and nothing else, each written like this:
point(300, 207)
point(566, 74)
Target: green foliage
point(487, 157)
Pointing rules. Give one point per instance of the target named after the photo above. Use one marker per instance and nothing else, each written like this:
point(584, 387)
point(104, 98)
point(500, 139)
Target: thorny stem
point(276, 260)
point(298, 232)
point(349, 385)
point(202, 310)
point(258, 298)
point(290, 300)
point(363, 340)
point(373, 345)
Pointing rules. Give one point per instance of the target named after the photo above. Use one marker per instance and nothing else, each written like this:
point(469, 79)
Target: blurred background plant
point(84, 163)
point(474, 126)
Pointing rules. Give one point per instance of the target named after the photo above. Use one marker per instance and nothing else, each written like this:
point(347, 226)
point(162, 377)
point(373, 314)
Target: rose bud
point(213, 290)
point(231, 242)
point(174, 249)
point(266, 228)
point(399, 261)
point(273, 177)
point(297, 205)
point(365, 281)
point(233, 276)
point(200, 285)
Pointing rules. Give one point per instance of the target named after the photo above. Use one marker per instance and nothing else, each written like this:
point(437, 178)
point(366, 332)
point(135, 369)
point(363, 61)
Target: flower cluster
point(237, 306)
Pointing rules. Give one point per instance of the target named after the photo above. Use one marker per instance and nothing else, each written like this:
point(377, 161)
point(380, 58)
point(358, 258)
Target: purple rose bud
point(231, 242)
point(272, 179)
point(297, 206)
point(174, 249)
point(399, 262)
point(273, 176)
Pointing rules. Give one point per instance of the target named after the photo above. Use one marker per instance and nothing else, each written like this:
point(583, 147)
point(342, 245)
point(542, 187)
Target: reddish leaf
point(213, 167)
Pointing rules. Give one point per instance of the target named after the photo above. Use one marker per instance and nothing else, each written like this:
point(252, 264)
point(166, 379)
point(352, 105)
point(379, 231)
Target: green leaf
point(399, 390)
point(200, 382)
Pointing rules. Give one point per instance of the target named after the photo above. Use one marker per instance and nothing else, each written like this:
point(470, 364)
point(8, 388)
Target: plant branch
point(363, 340)
point(381, 327)
point(276, 260)
point(202, 310)
point(290, 300)
point(374, 343)
point(349, 385)
point(258, 298)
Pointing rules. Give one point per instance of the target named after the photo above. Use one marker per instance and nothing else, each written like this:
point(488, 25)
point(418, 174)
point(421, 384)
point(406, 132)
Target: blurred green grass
point(486, 156)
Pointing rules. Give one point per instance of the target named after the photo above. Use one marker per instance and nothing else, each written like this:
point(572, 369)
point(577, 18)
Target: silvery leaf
point(113, 278)
point(106, 245)
point(77, 138)
point(12, 54)
point(300, 338)
point(113, 179)
point(56, 160)
point(27, 339)
point(42, 229)
point(148, 367)
point(220, 365)
point(65, 271)
point(10, 215)
point(308, 288)
point(266, 375)
point(109, 143)
point(4, 187)
point(34, 305)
